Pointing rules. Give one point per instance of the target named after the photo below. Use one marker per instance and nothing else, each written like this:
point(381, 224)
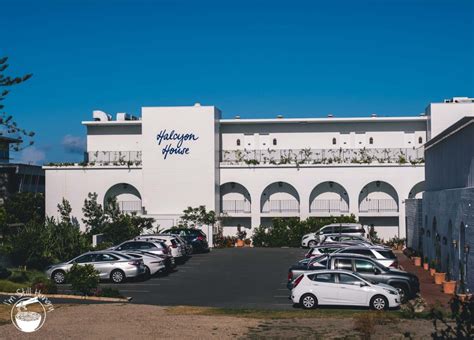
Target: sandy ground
point(113, 321)
point(129, 321)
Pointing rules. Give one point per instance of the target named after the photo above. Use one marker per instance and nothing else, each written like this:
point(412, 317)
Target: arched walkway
point(378, 196)
point(280, 197)
point(329, 197)
point(127, 196)
point(235, 198)
point(417, 190)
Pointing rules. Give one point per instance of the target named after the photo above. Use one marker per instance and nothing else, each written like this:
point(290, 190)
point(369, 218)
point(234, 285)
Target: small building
point(441, 225)
point(17, 177)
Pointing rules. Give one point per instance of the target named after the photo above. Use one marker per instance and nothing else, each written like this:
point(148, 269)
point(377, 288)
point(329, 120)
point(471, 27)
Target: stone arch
point(378, 196)
point(235, 198)
point(279, 197)
point(329, 197)
point(127, 196)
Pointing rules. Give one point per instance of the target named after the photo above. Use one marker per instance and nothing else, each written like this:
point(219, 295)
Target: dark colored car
point(195, 237)
point(407, 284)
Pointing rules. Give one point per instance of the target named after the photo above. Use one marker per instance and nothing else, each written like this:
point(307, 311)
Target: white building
point(251, 169)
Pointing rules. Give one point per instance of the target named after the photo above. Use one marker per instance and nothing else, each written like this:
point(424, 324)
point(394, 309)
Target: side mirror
point(362, 284)
point(376, 271)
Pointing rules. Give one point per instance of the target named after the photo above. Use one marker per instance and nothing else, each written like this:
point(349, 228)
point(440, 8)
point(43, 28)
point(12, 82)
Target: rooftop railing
point(324, 156)
point(113, 157)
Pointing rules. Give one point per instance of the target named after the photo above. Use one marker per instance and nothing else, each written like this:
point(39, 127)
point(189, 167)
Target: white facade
point(252, 170)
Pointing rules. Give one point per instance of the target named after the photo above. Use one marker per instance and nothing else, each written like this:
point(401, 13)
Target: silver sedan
point(110, 265)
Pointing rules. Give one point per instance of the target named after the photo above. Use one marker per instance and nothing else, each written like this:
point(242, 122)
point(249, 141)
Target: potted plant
point(432, 267)
point(426, 265)
point(462, 293)
point(449, 285)
point(241, 234)
point(416, 258)
point(439, 277)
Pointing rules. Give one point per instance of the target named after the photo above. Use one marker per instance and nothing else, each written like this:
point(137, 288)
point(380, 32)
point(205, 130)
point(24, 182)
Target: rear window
point(388, 254)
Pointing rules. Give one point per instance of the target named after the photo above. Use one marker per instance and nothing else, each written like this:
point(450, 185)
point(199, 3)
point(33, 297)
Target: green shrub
point(287, 232)
point(11, 287)
point(83, 278)
point(4, 273)
point(44, 285)
point(109, 292)
point(19, 276)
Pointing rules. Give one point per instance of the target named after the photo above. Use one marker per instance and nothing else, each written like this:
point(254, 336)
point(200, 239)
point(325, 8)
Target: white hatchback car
point(341, 287)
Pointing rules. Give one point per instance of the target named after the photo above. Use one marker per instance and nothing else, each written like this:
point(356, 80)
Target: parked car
point(407, 284)
point(342, 287)
point(325, 249)
point(111, 265)
point(187, 247)
point(382, 255)
point(176, 249)
point(312, 239)
point(195, 237)
point(152, 246)
point(333, 238)
point(153, 263)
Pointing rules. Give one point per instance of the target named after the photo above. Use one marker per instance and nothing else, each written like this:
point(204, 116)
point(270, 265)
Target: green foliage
point(24, 207)
point(287, 232)
point(193, 217)
point(109, 292)
point(83, 278)
point(10, 126)
point(44, 285)
point(38, 244)
point(4, 273)
point(461, 324)
point(115, 225)
point(18, 277)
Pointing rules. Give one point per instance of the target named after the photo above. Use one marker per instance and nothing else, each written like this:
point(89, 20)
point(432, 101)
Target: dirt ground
point(120, 321)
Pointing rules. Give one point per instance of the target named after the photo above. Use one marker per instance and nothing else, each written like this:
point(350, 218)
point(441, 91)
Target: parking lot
point(228, 278)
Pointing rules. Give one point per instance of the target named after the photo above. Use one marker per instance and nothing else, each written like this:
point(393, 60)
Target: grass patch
point(11, 287)
point(274, 314)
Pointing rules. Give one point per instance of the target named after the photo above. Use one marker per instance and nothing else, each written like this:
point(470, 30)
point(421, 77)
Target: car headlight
point(392, 292)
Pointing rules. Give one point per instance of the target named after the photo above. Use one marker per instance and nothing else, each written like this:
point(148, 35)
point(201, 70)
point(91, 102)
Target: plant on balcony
point(251, 162)
point(402, 159)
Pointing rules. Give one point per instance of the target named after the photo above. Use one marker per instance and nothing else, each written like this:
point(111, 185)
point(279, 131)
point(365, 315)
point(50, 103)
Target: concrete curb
point(75, 297)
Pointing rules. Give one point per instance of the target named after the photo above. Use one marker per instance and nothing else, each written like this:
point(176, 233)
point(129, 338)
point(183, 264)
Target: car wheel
point(379, 302)
point(59, 277)
point(147, 272)
point(312, 244)
point(117, 276)
point(308, 301)
point(402, 291)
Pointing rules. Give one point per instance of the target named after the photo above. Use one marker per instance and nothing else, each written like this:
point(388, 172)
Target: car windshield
point(388, 254)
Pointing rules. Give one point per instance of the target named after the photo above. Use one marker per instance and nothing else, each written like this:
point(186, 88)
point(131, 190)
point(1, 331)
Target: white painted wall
point(179, 181)
point(443, 115)
point(114, 138)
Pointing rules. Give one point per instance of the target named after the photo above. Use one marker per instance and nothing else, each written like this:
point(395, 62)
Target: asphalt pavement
point(227, 278)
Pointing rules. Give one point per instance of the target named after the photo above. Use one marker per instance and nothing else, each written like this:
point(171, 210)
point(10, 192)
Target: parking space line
point(281, 296)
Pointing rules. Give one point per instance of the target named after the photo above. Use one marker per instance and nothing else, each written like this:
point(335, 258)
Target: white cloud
point(73, 144)
point(32, 155)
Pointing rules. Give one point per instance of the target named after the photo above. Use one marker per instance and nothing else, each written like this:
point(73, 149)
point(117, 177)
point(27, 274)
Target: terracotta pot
point(449, 287)
point(417, 261)
point(426, 266)
point(240, 243)
point(432, 271)
point(464, 297)
point(439, 278)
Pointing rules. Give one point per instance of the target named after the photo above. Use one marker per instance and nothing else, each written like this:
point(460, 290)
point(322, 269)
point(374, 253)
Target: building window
point(420, 140)
point(334, 141)
point(238, 142)
point(274, 141)
point(371, 140)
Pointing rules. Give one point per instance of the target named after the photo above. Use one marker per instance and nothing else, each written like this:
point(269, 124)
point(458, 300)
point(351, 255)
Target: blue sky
point(251, 58)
